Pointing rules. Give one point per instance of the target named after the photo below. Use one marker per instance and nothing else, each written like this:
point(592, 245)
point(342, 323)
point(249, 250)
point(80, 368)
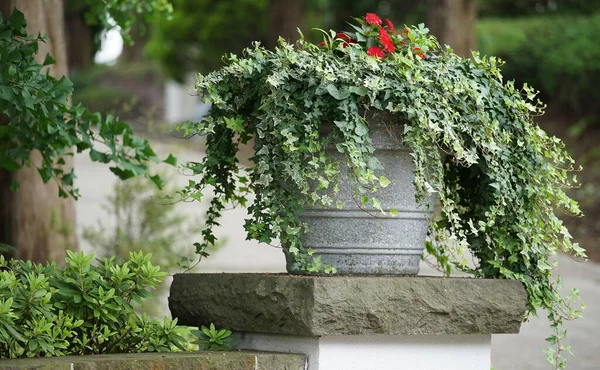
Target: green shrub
point(556, 54)
point(40, 118)
point(81, 308)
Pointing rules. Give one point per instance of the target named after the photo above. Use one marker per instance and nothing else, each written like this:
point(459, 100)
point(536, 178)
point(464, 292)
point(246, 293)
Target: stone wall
point(233, 360)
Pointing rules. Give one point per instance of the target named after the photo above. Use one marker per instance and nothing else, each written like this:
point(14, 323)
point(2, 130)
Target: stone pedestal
point(356, 322)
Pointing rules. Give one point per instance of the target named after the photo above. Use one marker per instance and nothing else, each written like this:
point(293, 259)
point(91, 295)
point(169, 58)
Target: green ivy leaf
point(158, 181)
point(48, 60)
point(6, 93)
point(17, 20)
point(339, 95)
point(14, 187)
point(383, 181)
point(171, 160)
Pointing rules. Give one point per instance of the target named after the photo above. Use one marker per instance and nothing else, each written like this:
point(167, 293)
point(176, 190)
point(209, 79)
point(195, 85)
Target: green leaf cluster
point(499, 178)
point(81, 308)
point(36, 115)
point(212, 339)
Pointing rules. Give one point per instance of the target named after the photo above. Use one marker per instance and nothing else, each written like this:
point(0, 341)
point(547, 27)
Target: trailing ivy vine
point(500, 179)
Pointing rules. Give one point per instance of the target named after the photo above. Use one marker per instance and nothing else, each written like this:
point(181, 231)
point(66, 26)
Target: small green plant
point(212, 339)
point(81, 309)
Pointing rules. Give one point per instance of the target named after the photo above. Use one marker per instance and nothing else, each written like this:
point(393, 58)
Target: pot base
point(366, 262)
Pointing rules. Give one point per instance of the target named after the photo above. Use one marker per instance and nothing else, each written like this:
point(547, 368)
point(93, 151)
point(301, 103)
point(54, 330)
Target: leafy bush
point(557, 54)
point(39, 117)
point(81, 308)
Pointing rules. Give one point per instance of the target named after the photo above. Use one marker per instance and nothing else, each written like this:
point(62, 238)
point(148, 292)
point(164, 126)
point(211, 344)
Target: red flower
point(419, 53)
point(390, 25)
point(347, 39)
point(388, 44)
point(373, 19)
point(375, 51)
point(322, 43)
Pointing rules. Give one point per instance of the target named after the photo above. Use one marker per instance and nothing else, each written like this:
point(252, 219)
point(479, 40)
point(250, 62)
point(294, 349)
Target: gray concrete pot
point(355, 241)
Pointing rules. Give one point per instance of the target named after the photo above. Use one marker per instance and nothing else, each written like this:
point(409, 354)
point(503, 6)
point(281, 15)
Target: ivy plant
point(35, 114)
point(499, 178)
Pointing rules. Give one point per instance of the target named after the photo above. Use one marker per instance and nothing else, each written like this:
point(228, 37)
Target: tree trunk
point(80, 51)
point(34, 220)
point(453, 23)
point(285, 17)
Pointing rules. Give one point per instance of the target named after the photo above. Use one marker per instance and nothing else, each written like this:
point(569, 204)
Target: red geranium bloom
point(347, 39)
point(419, 53)
point(390, 25)
point(375, 51)
point(373, 19)
point(388, 44)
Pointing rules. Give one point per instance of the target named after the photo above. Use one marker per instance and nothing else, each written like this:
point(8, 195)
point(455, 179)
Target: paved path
point(523, 351)
point(509, 352)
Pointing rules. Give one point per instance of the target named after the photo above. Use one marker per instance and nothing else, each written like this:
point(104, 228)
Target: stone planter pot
point(359, 242)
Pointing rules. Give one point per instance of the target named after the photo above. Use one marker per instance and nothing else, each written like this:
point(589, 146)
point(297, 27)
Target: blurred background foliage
point(139, 217)
point(550, 44)
point(201, 31)
point(558, 54)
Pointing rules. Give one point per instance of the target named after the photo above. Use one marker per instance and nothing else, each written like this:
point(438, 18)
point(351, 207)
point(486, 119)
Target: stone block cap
point(348, 305)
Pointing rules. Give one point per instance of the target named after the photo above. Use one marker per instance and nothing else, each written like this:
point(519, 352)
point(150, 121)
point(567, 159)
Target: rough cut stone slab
point(348, 305)
point(238, 360)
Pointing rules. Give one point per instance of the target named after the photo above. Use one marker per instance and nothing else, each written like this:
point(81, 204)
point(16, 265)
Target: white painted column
point(379, 352)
